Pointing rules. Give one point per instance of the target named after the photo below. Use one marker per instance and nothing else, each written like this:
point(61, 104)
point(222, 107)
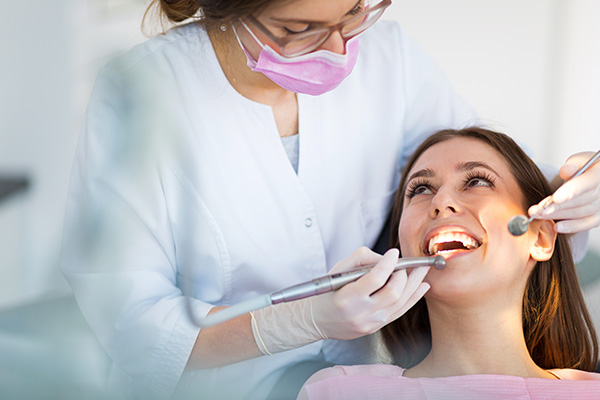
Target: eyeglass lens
point(352, 27)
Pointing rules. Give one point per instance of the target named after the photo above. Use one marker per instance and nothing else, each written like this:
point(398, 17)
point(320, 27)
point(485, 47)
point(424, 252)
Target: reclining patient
point(506, 317)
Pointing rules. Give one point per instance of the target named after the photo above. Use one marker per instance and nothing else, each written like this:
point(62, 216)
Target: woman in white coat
point(244, 152)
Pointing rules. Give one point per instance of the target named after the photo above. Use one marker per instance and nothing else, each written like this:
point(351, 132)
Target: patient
point(506, 317)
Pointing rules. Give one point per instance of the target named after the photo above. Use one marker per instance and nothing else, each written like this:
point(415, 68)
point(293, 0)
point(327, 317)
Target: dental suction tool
point(324, 284)
point(519, 224)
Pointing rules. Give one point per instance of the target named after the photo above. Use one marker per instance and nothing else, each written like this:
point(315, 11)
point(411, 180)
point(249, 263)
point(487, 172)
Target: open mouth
point(451, 241)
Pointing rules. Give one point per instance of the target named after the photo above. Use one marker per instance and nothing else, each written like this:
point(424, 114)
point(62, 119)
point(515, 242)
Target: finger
point(415, 278)
point(577, 225)
point(392, 294)
point(567, 171)
point(359, 258)
point(385, 314)
point(412, 300)
point(586, 210)
point(573, 164)
point(377, 277)
point(536, 207)
point(584, 198)
point(591, 197)
point(589, 181)
point(392, 291)
point(400, 293)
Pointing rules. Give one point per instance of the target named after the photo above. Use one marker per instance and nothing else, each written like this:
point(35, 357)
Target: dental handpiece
point(317, 286)
point(519, 224)
point(330, 283)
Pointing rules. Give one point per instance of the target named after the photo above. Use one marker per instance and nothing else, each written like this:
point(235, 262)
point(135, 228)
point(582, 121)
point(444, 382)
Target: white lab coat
point(181, 187)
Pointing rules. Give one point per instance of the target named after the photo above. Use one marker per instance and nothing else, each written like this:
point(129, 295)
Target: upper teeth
point(446, 237)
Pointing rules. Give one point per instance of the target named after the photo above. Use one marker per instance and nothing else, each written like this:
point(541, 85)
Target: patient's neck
point(482, 339)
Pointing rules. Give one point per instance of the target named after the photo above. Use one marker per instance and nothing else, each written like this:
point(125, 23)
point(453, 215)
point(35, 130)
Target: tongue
point(451, 246)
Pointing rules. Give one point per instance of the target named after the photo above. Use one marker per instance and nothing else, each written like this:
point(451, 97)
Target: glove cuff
point(285, 326)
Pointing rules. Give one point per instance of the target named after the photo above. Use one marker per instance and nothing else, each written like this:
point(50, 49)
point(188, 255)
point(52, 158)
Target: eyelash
point(484, 176)
point(411, 191)
point(291, 32)
point(356, 10)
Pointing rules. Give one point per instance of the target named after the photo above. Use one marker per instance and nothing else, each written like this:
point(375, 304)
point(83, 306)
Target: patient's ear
point(543, 247)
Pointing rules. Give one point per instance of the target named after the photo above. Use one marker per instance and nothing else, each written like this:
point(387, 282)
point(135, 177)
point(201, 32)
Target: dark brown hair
point(558, 329)
point(208, 13)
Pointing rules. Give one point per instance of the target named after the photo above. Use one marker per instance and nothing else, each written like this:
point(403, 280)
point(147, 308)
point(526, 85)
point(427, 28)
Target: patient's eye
point(418, 186)
point(479, 178)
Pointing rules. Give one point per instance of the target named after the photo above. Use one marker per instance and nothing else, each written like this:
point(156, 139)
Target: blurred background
point(530, 68)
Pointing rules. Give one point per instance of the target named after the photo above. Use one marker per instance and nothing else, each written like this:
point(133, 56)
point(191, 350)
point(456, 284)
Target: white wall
point(532, 68)
point(36, 137)
point(496, 53)
point(50, 51)
point(578, 94)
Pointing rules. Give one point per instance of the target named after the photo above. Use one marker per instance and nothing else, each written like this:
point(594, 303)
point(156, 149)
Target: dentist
point(246, 151)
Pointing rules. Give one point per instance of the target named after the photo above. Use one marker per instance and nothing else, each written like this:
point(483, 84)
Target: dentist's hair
point(557, 326)
point(208, 13)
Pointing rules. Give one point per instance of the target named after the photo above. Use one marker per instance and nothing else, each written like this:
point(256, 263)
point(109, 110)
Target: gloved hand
point(577, 202)
point(376, 299)
point(359, 308)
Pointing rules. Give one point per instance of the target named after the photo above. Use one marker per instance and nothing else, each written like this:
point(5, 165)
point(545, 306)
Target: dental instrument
point(519, 224)
point(323, 284)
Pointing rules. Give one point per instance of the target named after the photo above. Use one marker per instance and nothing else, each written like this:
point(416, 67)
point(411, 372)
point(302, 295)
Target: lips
point(451, 241)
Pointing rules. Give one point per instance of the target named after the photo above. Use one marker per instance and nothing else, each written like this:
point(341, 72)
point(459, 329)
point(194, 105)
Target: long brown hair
point(208, 13)
point(558, 329)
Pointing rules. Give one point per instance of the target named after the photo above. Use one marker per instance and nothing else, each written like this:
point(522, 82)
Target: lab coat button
point(308, 222)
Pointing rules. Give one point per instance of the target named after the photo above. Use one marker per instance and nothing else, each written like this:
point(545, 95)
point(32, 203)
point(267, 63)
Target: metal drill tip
point(439, 262)
point(518, 225)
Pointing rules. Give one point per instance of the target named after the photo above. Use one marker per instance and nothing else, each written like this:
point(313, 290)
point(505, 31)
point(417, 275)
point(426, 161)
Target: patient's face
point(459, 198)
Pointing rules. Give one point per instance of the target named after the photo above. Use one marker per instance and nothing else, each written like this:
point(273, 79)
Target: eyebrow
point(308, 21)
point(424, 173)
point(470, 165)
point(461, 167)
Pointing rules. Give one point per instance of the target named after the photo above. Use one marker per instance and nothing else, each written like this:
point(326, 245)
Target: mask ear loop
point(251, 61)
point(237, 36)
point(249, 31)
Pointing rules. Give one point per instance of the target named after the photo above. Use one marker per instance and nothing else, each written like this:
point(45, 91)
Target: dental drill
point(317, 286)
point(519, 224)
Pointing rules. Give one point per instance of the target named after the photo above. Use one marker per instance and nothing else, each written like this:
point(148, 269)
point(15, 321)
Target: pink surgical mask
point(313, 73)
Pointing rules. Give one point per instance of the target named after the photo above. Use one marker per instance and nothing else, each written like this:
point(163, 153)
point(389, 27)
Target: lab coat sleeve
point(118, 252)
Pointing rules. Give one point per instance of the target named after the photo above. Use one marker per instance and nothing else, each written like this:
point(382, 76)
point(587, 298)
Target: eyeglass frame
point(282, 42)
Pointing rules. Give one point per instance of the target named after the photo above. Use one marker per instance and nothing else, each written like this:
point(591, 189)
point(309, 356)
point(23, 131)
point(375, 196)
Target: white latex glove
point(577, 202)
point(359, 308)
point(377, 298)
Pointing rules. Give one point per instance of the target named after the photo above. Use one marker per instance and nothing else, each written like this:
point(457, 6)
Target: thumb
point(573, 163)
point(567, 170)
point(360, 258)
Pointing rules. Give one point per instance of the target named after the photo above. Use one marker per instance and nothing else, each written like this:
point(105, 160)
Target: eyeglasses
point(305, 42)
